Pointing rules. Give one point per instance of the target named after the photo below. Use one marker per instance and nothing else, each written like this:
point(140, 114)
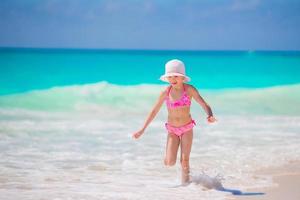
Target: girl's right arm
point(152, 114)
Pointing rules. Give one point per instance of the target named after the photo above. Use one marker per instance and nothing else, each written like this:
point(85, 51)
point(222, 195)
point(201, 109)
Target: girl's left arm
point(200, 100)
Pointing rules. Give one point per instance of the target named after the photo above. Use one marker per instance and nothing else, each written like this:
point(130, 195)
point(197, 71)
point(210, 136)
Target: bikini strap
point(168, 90)
point(185, 92)
point(184, 89)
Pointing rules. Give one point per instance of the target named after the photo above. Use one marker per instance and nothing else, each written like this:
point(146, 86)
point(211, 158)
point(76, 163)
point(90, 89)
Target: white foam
point(91, 155)
point(113, 100)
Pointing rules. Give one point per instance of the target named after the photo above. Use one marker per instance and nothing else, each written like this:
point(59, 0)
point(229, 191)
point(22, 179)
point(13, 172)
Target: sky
point(151, 24)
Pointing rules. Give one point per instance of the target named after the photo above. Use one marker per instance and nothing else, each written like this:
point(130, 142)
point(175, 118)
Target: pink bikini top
point(183, 101)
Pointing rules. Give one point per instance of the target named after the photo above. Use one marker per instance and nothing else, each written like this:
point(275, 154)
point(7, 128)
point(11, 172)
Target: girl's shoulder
point(165, 91)
point(190, 89)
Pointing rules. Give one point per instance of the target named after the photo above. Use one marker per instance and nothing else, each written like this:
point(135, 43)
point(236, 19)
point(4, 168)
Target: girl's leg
point(186, 146)
point(171, 149)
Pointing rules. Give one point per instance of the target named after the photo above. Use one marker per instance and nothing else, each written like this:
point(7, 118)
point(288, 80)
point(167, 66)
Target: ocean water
point(66, 119)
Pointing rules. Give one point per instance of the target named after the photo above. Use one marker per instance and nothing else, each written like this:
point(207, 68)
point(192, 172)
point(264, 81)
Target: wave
point(103, 97)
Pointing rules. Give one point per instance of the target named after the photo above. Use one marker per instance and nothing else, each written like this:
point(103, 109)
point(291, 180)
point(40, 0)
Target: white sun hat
point(174, 67)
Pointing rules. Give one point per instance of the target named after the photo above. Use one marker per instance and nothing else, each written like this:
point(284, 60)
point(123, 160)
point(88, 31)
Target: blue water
point(27, 69)
point(67, 116)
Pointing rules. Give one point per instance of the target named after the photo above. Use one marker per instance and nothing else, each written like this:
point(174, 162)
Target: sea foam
point(75, 143)
point(112, 99)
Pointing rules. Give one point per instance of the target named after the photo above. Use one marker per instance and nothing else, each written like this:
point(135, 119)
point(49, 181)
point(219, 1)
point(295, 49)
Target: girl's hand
point(137, 134)
point(211, 119)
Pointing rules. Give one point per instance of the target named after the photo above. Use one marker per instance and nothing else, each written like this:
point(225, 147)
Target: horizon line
point(137, 49)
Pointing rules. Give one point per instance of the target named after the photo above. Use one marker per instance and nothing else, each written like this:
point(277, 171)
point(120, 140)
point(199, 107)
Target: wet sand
point(286, 184)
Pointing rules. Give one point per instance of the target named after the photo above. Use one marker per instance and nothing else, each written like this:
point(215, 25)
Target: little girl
point(180, 124)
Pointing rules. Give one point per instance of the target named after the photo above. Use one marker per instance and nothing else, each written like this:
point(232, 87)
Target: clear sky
point(151, 24)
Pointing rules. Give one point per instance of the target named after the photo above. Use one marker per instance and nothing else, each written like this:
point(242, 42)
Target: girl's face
point(175, 80)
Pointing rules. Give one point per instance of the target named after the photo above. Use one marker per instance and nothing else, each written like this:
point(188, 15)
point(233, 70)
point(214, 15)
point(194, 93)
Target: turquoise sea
point(253, 79)
point(67, 115)
point(28, 69)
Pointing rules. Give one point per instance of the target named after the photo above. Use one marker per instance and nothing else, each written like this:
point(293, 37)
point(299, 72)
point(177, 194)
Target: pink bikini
point(183, 101)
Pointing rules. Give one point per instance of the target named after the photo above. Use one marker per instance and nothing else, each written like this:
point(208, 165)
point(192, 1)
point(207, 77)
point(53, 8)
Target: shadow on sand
point(215, 183)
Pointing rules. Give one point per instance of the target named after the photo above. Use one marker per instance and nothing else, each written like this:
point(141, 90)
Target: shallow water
point(72, 140)
point(80, 154)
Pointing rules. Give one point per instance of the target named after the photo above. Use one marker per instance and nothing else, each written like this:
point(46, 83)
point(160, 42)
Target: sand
point(286, 187)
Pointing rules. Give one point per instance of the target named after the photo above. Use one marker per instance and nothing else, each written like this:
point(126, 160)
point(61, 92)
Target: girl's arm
point(152, 114)
point(205, 106)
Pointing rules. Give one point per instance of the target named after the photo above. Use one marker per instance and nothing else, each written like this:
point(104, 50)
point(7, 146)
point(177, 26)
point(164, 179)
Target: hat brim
point(165, 77)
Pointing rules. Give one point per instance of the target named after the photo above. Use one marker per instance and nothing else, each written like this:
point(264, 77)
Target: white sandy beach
point(286, 184)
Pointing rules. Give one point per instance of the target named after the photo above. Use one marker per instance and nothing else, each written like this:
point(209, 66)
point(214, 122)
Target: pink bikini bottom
point(179, 131)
